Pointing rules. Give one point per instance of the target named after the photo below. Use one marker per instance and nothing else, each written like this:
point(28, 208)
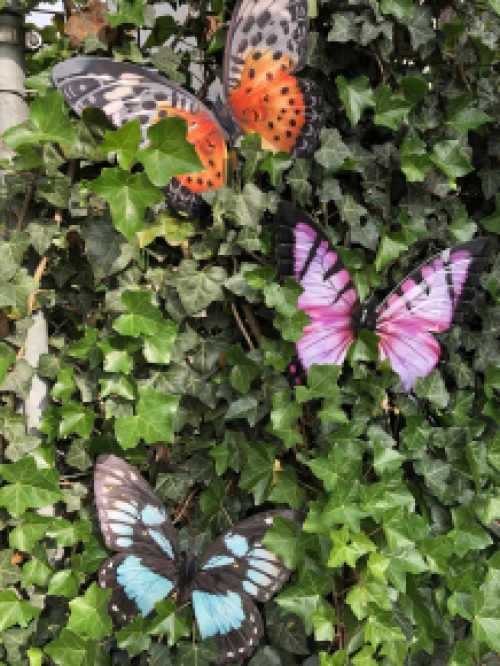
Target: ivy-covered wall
point(170, 339)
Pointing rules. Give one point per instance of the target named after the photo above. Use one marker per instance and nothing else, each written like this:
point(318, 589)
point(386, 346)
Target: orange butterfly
point(266, 45)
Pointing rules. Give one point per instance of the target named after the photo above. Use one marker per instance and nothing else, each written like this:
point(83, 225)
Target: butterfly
point(149, 566)
point(427, 301)
point(266, 45)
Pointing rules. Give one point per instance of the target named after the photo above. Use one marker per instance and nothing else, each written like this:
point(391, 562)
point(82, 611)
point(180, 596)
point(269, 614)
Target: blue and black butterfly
point(150, 566)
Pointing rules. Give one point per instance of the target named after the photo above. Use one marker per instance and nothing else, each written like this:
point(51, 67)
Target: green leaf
point(391, 108)
point(275, 164)
point(392, 245)
point(76, 419)
point(142, 315)
point(28, 487)
point(257, 474)
point(169, 153)
point(13, 611)
point(356, 95)
point(70, 649)
point(63, 584)
point(153, 420)
point(168, 622)
point(49, 120)
point(244, 370)
point(432, 388)
point(400, 9)
point(462, 228)
point(463, 115)
point(89, 614)
point(128, 196)
point(218, 41)
point(198, 289)
point(448, 156)
point(7, 358)
point(333, 151)
point(196, 654)
point(134, 637)
point(129, 11)
point(158, 346)
point(286, 489)
point(124, 142)
point(467, 533)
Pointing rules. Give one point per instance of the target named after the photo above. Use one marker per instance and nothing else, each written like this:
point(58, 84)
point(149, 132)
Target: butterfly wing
point(134, 523)
point(266, 45)
point(124, 92)
point(235, 569)
point(428, 301)
point(329, 298)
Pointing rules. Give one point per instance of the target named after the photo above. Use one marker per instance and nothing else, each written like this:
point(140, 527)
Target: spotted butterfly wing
point(124, 92)
point(266, 46)
point(134, 523)
point(236, 569)
point(428, 301)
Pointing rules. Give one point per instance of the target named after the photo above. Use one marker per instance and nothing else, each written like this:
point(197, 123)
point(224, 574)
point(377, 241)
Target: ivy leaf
point(333, 151)
point(142, 315)
point(462, 228)
point(168, 622)
point(169, 153)
point(197, 289)
point(75, 418)
point(448, 156)
point(63, 584)
point(124, 142)
point(70, 649)
point(257, 474)
point(286, 489)
point(463, 115)
point(356, 95)
point(158, 347)
point(49, 120)
point(129, 11)
point(89, 614)
point(283, 539)
point(244, 370)
point(7, 358)
point(196, 654)
point(275, 164)
point(128, 196)
point(13, 611)
point(391, 108)
point(28, 487)
point(134, 637)
point(432, 388)
point(400, 9)
point(153, 420)
point(392, 245)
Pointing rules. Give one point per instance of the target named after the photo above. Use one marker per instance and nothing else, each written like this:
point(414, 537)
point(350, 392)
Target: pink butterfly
point(427, 301)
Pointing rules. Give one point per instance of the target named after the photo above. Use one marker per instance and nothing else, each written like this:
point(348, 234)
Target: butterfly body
point(149, 565)
point(427, 301)
point(266, 46)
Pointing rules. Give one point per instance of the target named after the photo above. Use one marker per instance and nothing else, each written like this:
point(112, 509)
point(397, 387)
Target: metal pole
point(14, 110)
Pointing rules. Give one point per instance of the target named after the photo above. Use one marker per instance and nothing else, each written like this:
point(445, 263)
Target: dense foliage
point(170, 339)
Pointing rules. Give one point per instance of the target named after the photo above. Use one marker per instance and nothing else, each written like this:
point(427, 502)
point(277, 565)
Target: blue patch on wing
point(162, 541)
point(151, 515)
point(250, 588)
point(119, 528)
point(258, 578)
point(237, 544)
point(217, 613)
point(141, 584)
point(123, 542)
point(218, 561)
point(121, 517)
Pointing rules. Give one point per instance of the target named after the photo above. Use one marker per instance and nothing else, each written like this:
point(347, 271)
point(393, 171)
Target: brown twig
point(380, 66)
point(252, 322)
point(241, 326)
point(24, 207)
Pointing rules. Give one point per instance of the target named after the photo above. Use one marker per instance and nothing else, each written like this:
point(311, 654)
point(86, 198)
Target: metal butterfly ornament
point(266, 45)
point(429, 300)
point(150, 566)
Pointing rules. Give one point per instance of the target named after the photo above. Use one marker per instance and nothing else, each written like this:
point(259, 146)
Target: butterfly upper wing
point(428, 301)
point(329, 298)
point(134, 522)
point(124, 92)
point(235, 569)
point(266, 45)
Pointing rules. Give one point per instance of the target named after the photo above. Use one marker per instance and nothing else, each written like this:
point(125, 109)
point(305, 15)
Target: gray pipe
point(13, 110)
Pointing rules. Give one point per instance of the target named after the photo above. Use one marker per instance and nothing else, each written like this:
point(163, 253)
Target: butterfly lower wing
point(230, 618)
point(329, 298)
point(266, 45)
point(234, 569)
point(428, 301)
point(137, 582)
point(124, 92)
